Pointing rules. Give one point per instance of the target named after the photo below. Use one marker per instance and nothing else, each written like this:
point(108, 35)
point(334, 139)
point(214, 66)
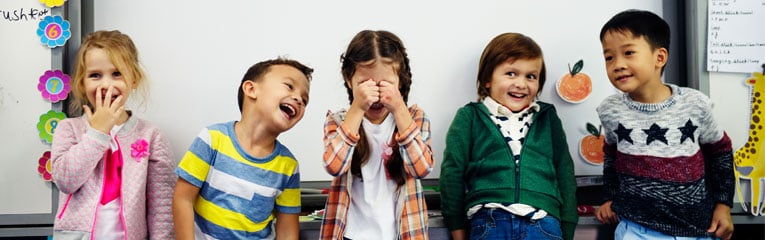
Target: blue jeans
point(630, 230)
point(500, 224)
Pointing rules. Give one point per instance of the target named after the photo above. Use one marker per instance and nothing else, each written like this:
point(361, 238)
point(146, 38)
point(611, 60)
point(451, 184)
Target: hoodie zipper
point(517, 180)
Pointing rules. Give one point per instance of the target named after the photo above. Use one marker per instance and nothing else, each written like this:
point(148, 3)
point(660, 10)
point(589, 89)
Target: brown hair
point(504, 47)
point(256, 72)
point(123, 55)
point(365, 46)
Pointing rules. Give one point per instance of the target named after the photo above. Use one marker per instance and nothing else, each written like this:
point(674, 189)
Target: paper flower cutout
point(139, 149)
point(54, 31)
point(48, 123)
point(44, 166)
point(53, 3)
point(54, 85)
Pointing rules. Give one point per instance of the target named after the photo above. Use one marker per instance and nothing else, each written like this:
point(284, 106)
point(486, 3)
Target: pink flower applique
point(139, 149)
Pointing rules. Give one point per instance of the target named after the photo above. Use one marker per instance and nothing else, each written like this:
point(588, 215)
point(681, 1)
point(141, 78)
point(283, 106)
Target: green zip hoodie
point(478, 167)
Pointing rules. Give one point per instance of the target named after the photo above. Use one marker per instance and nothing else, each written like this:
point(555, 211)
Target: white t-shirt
point(373, 199)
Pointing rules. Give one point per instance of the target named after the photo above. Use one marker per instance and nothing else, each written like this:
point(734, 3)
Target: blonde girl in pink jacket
point(114, 170)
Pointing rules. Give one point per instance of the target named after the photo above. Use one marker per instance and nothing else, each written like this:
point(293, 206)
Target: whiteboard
point(734, 43)
point(196, 54)
point(22, 60)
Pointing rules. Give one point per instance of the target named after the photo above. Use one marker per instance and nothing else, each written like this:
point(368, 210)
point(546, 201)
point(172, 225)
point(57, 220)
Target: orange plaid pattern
point(418, 162)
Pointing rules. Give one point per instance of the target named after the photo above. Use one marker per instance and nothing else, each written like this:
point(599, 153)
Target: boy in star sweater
point(663, 147)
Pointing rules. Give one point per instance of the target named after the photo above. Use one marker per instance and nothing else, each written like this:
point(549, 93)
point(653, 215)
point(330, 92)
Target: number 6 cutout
point(54, 31)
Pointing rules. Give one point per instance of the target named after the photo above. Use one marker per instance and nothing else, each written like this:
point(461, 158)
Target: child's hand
point(365, 94)
point(107, 112)
point(390, 97)
point(722, 224)
point(605, 214)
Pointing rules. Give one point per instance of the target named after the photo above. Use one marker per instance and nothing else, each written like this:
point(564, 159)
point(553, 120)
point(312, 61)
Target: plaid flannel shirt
point(418, 162)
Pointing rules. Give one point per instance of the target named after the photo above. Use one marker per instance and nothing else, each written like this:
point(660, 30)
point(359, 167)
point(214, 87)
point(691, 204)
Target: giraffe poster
point(749, 160)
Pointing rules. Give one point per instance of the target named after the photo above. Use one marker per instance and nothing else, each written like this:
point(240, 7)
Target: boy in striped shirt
point(236, 180)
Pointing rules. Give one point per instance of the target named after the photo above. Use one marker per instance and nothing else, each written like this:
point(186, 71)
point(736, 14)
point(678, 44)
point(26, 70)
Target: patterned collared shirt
point(514, 126)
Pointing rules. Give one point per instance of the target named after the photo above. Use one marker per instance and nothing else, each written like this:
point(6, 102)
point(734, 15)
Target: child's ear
point(661, 57)
point(250, 89)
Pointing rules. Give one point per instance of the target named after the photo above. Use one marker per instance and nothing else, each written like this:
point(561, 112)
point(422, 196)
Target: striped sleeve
point(289, 200)
point(195, 163)
point(415, 145)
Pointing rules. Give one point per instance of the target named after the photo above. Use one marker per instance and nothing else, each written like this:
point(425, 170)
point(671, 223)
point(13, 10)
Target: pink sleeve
point(74, 157)
point(159, 189)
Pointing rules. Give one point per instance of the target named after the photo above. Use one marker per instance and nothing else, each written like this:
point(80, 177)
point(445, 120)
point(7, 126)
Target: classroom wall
point(196, 54)
point(731, 98)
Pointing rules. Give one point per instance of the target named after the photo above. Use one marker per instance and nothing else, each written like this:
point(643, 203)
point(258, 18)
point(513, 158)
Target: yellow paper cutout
point(53, 3)
point(749, 160)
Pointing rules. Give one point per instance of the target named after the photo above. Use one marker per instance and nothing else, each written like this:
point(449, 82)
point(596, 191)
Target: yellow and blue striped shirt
point(238, 192)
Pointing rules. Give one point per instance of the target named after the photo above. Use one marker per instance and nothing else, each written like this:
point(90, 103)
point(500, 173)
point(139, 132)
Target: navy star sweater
point(666, 164)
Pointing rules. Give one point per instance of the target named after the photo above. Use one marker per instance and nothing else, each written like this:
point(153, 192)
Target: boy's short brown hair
point(257, 71)
point(504, 47)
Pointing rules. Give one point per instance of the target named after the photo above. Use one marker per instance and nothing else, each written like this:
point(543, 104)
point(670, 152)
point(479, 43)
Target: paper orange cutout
point(575, 86)
point(591, 146)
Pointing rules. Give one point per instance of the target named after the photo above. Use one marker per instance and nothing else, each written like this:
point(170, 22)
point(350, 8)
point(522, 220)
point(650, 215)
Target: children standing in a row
point(507, 169)
point(237, 179)
point(114, 171)
point(663, 147)
point(378, 149)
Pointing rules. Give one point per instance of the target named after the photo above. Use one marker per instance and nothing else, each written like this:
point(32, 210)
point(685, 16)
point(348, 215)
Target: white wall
point(196, 53)
point(731, 98)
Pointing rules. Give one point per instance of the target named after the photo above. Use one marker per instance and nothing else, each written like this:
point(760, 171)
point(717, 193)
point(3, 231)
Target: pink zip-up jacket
point(147, 177)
